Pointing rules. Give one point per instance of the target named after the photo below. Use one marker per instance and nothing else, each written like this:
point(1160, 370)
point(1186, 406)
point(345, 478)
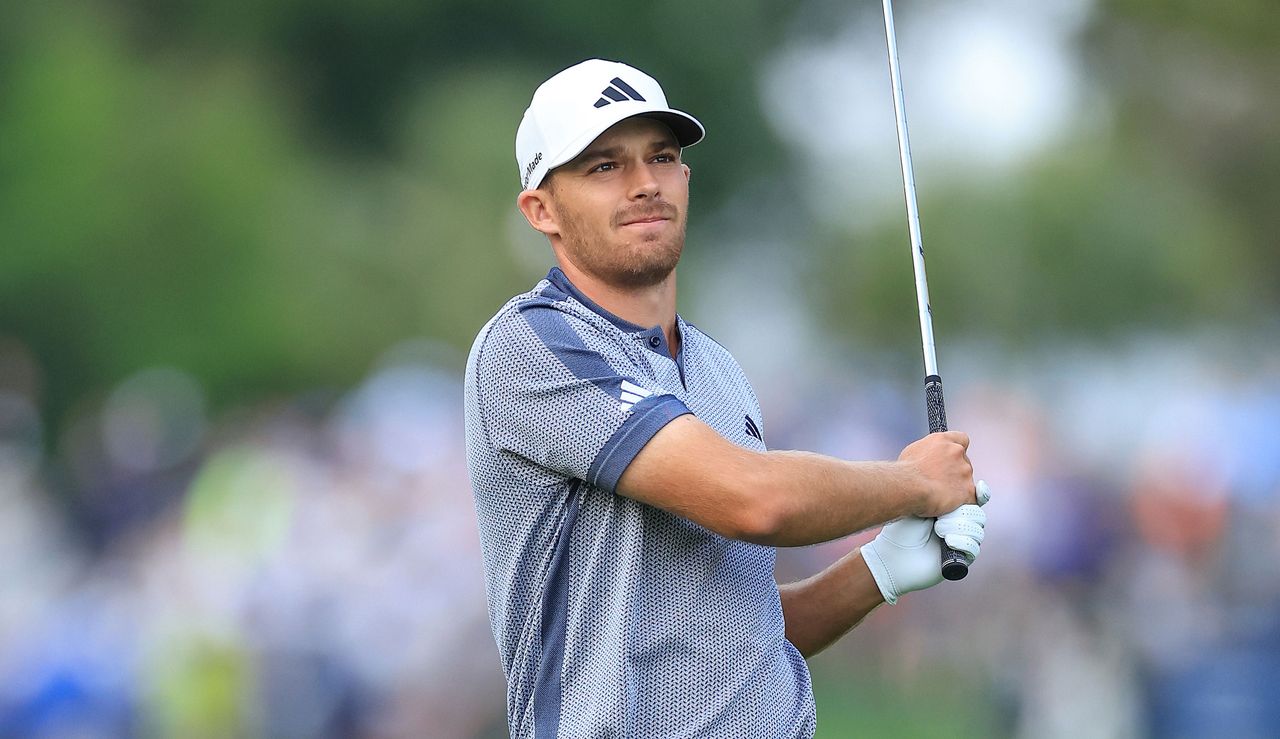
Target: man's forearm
point(788, 498)
point(821, 609)
point(814, 498)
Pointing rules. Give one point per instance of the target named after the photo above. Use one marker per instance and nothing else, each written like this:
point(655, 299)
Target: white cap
point(578, 104)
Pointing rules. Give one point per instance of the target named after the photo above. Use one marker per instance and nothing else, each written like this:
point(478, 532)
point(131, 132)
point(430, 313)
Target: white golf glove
point(907, 554)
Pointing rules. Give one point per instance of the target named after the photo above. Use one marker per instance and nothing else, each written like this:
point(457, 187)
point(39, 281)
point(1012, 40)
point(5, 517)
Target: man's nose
point(644, 182)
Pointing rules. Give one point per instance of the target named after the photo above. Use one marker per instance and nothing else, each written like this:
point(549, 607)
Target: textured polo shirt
point(612, 617)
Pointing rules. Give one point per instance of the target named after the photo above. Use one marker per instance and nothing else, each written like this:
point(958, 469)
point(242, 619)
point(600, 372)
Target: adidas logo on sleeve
point(632, 394)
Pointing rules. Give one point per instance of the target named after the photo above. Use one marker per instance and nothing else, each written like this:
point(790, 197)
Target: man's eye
point(665, 158)
point(602, 167)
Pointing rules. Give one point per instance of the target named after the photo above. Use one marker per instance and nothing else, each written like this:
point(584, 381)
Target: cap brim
point(688, 131)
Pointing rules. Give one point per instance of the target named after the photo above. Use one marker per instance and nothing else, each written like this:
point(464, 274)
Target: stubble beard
point(638, 263)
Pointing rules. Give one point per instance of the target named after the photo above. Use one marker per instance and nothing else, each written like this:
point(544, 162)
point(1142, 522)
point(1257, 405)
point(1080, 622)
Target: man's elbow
point(760, 525)
point(759, 515)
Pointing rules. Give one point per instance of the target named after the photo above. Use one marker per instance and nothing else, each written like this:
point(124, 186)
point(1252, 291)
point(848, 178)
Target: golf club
point(954, 564)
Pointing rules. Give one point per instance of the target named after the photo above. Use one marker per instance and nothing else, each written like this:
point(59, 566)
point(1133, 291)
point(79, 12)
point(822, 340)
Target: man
point(627, 504)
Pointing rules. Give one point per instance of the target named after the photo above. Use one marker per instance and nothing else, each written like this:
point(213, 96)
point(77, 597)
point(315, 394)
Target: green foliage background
point(267, 194)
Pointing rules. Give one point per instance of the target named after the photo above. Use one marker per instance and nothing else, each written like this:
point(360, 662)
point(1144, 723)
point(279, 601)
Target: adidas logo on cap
point(618, 91)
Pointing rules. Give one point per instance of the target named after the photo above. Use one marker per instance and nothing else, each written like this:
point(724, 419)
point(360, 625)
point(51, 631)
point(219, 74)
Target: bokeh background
point(244, 247)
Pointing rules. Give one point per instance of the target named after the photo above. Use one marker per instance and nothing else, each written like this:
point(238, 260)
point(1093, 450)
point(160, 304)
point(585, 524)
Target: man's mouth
point(641, 219)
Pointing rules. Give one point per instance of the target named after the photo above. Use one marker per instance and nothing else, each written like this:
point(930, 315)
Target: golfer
point(627, 503)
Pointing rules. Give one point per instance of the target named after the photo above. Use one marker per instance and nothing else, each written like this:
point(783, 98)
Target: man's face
point(620, 206)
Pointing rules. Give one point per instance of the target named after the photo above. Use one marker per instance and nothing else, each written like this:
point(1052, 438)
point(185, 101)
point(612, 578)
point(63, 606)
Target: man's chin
point(636, 264)
point(646, 274)
point(640, 278)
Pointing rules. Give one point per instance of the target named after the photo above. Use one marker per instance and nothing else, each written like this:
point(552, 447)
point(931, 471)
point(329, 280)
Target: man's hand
point(941, 462)
point(906, 555)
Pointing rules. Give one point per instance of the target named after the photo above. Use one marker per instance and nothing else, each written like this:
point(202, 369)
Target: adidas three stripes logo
point(632, 394)
point(618, 91)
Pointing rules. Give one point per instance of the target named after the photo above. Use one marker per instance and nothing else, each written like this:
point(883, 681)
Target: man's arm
point(784, 498)
point(821, 609)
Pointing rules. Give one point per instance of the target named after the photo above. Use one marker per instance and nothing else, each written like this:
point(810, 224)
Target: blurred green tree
point(268, 195)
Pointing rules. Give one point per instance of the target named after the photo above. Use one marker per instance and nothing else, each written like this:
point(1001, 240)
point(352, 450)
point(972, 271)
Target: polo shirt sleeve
point(553, 391)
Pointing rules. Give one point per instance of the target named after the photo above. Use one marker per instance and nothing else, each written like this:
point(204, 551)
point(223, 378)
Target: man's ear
point(687, 171)
point(536, 207)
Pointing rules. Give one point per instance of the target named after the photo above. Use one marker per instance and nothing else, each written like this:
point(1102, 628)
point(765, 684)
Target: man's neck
point(646, 306)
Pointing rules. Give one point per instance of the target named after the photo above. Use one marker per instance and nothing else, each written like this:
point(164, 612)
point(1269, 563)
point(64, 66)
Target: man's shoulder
point(533, 316)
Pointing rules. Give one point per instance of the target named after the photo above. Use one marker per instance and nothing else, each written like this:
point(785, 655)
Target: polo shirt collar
point(653, 338)
point(557, 278)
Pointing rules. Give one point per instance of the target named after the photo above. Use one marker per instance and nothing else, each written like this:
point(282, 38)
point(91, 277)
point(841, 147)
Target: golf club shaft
point(954, 565)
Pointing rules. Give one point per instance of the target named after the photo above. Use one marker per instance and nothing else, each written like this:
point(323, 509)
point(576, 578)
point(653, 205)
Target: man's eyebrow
point(615, 152)
point(603, 152)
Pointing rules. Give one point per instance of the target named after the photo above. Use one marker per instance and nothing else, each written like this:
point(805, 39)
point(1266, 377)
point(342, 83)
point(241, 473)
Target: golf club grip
point(954, 565)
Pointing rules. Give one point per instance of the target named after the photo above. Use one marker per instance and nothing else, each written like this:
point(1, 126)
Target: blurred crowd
point(310, 566)
point(1127, 586)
